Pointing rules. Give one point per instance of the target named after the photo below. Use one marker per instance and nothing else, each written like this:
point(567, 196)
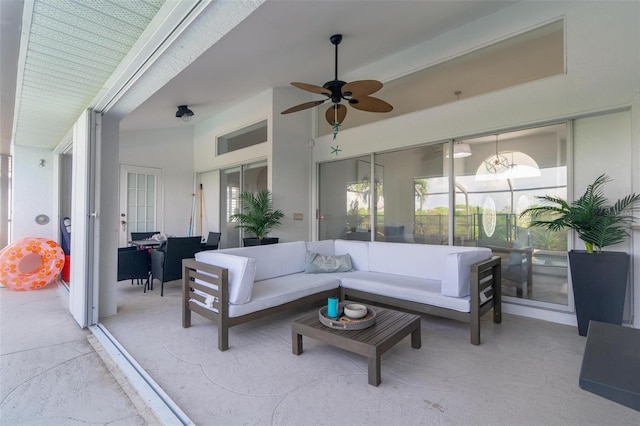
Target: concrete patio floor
point(52, 372)
point(525, 372)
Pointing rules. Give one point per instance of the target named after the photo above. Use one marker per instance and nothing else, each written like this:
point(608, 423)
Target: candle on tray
point(332, 307)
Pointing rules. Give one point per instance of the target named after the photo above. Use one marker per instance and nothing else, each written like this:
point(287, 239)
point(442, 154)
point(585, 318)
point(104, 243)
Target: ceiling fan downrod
point(335, 86)
point(335, 40)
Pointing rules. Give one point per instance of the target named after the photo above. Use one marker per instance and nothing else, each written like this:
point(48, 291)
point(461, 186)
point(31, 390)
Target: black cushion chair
point(133, 264)
point(166, 264)
point(213, 240)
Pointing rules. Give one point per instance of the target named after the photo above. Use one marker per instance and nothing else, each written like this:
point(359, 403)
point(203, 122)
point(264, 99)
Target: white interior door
point(140, 201)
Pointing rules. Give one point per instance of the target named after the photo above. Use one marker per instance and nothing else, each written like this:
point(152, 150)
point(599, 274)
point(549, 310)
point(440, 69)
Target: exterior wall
point(172, 151)
point(291, 164)
point(32, 194)
point(599, 77)
point(248, 112)
point(602, 63)
point(602, 75)
point(286, 150)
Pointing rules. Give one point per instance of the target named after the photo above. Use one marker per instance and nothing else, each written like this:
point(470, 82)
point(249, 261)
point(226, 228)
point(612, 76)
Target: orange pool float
point(30, 264)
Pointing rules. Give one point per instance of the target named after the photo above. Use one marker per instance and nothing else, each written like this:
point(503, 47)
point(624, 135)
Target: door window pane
point(344, 200)
point(141, 197)
point(250, 177)
point(414, 204)
point(494, 185)
point(230, 205)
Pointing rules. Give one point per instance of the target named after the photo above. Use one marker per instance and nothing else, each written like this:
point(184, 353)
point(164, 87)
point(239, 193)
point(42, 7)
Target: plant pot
point(599, 286)
point(252, 241)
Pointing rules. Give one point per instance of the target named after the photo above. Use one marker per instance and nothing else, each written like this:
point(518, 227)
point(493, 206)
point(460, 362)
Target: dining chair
point(213, 240)
point(133, 264)
point(166, 264)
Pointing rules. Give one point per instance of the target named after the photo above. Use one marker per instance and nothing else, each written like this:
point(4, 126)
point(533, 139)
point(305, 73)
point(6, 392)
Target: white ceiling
point(280, 42)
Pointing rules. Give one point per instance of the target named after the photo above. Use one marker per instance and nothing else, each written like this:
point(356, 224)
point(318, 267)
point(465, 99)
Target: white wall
point(603, 74)
point(287, 151)
point(32, 194)
point(602, 62)
point(242, 115)
point(172, 151)
point(291, 164)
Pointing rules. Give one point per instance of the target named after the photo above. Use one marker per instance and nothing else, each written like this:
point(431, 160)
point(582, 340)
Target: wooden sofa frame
point(191, 272)
point(485, 276)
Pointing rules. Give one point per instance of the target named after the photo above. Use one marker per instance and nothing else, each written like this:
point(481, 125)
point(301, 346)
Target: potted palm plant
point(599, 277)
point(258, 217)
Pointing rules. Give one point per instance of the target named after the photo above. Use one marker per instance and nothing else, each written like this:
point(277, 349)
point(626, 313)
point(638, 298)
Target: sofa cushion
point(413, 289)
point(319, 264)
point(242, 272)
point(274, 260)
point(449, 264)
point(357, 250)
point(325, 247)
point(413, 260)
point(456, 280)
point(277, 291)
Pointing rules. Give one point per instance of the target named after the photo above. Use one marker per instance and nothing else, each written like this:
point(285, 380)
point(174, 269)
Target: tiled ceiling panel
point(74, 47)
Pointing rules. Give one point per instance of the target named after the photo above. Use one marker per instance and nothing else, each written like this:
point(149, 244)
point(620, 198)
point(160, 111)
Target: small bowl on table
point(355, 310)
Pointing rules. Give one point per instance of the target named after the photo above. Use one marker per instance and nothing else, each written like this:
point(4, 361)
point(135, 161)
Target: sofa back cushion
point(242, 271)
point(357, 250)
point(274, 260)
point(413, 260)
point(324, 247)
point(456, 281)
point(448, 264)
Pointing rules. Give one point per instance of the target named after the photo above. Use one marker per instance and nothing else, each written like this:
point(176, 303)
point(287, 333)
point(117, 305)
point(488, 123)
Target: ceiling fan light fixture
point(184, 113)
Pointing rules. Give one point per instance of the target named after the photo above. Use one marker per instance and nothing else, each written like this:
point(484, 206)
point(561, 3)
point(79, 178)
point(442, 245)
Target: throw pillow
point(320, 264)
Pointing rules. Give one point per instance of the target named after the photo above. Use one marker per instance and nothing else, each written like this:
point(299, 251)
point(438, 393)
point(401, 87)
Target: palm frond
point(596, 222)
point(258, 216)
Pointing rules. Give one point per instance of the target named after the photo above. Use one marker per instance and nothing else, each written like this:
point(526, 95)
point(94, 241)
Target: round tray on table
point(343, 322)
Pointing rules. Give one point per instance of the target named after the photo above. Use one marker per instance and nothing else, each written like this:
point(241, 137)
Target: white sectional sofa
point(233, 286)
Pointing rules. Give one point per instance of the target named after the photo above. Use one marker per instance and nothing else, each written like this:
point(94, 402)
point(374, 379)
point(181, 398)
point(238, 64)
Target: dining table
point(146, 243)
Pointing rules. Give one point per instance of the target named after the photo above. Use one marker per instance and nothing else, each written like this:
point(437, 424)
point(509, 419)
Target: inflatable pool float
point(30, 264)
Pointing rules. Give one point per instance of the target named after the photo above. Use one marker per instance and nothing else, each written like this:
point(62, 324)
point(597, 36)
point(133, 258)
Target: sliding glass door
point(502, 178)
point(473, 198)
point(344, 200)
point(413, 200)
point(250, 177)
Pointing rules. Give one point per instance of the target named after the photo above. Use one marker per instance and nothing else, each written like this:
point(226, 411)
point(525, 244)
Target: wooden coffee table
point(390, 328)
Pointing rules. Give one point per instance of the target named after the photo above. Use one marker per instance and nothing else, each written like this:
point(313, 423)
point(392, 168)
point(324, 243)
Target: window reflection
point(500, 180)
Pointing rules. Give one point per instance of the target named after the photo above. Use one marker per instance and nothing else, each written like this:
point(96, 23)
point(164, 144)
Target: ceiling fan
point(355, 93)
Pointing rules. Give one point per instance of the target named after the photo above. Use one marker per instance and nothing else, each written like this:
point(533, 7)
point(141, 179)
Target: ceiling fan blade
point(370, 104)
point(302, 106)
point(336, 113)
point(312, 88)
point(361, 87)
